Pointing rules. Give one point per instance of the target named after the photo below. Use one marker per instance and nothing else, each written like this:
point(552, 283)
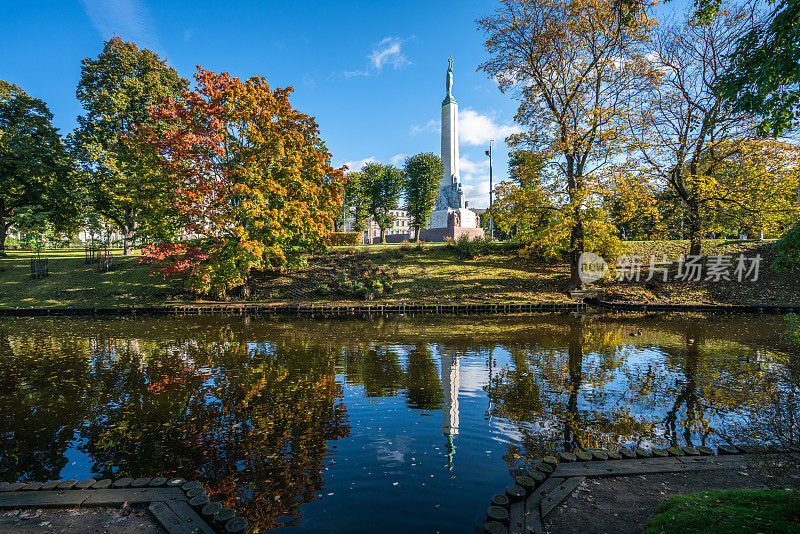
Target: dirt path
point(625, 504)
point(126, 520)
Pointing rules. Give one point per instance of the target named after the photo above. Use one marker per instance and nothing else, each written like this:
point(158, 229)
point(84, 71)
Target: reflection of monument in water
point(450, 383)
point(451, 218)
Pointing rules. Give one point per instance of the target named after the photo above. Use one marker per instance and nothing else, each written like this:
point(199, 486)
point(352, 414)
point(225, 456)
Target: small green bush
point(343, 239)
point(465, 247)
point(323, 290)
point(788, 250)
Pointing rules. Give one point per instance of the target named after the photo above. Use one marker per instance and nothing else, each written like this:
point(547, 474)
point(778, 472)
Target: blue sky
point(372, 73)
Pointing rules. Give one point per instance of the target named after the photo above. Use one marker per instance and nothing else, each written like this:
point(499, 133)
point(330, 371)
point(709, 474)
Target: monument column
point(451, 176)
point(451, 219)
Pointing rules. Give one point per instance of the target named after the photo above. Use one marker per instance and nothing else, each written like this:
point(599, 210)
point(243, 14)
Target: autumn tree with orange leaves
point(574, 65)
point(250, 183)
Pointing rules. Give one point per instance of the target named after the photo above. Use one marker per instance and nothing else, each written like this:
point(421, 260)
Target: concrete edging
point(537, 491)
point(179, 506)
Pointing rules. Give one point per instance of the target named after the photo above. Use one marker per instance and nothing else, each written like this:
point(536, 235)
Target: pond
point(391, 424)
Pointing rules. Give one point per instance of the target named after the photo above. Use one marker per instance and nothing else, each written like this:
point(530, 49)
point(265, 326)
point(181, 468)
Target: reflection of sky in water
point(397, 470)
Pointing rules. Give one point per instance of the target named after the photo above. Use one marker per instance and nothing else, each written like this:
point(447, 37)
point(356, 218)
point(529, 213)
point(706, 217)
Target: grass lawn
point(431, 273)
point(729, 512)
point(74, 283)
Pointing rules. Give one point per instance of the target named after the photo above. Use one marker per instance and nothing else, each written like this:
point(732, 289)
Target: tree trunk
point(128, 231)
point(383, 235)
point(3, 228)
point(694, 228)
point(576, 249)
point(3, 233)
point(416, 233)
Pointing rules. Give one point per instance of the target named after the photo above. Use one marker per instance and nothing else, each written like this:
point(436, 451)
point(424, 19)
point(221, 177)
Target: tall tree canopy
point(36, 176)
point(356, 200)
point(763, 76)
point(423, 175)
point(574, 64)
point(682, 128)
point(117, 91)
point(250, 177)
point(384, 185)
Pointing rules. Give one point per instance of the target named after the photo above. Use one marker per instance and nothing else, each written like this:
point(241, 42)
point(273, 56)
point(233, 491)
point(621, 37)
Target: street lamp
point(491, 221)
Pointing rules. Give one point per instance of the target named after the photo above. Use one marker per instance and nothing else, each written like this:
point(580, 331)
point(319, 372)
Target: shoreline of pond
point(401, 309)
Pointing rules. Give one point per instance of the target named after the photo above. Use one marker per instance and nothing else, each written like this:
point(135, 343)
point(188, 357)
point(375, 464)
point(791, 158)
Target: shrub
point(323, 290)
point(788, 250)
point(343, 239)
point(466, 247)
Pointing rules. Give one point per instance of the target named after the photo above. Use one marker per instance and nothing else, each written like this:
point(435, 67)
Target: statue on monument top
point(449, 83)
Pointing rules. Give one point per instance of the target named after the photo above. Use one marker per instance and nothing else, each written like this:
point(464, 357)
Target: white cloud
point(129, 19)
point(467, 166)
point(387, 51)
point(476, 190)
point(357, 165)
point(397, 159)
point(477, 129)
point(431, 126)
point(352, 73)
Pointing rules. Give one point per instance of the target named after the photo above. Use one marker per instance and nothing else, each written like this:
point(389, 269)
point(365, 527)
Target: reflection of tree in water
point(560, 399)
point(424, 391)
point(252, 424)
point(45, 393)
point(252, 420)
point(376, 368)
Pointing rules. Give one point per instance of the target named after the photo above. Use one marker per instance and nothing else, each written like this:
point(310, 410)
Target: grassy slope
point(74, 283)
point(733, 511)
point(432, 273)
point(770, 288)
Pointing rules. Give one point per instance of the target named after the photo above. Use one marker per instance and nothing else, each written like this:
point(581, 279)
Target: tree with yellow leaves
point(250, 179)
point(574, 64)
point(685, 134)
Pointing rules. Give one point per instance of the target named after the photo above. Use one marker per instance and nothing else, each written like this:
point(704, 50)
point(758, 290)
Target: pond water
point(363, 425)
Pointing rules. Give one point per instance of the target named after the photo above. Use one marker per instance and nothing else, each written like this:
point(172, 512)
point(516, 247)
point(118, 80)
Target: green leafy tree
point(118, 90)
point(763, 76)
point(384, 185)
point(423, 172)
point(356, 200)
point(36, 176)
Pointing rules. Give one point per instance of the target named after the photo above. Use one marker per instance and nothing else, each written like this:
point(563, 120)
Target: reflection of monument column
point(450, 383)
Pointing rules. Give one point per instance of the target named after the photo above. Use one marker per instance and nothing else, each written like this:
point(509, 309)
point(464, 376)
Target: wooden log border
point(545, 489)
point(401, 309)
point(309, 310)
point(176, 504)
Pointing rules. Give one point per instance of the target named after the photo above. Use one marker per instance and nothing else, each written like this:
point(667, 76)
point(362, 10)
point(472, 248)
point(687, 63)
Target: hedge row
point(339, 239)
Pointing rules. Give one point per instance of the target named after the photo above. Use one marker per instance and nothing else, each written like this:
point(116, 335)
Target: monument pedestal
point(452, 223)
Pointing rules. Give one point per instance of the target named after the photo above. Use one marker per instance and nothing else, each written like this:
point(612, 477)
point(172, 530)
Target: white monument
point(451, 217)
